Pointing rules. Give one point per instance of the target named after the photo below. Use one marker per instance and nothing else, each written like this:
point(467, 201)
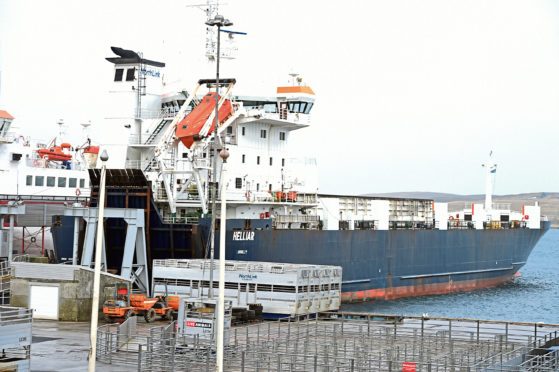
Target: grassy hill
point(548, 201)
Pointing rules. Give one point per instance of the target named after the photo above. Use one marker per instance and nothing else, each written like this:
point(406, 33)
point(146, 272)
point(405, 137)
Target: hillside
point(549, 201)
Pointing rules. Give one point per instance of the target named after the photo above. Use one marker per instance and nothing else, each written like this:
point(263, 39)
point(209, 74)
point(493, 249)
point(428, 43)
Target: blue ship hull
point(392, 263)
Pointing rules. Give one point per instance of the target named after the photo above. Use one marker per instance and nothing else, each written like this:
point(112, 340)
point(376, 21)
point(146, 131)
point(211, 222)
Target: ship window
point(257, 187)
point(270, 187)
point(130, 74)
point(82, 183)
point(61, 181)
point(243, 159)
point(308, 109)
point(303, 106)
point(229, 130)
point(283, 162)
point(282, 136)
point(29, 180)
point(72, 182)
point(243, 130)
point(184, 155)
point(50, 181)
point(263, 133)
point(271, 160)
point(39, 180)
point(118, 74)
point(294, 106)
point(238, 182)
point(258, 160)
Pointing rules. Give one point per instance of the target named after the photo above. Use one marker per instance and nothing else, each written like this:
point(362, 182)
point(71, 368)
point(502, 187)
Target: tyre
point(149, 316)
point(169, 314)
point(129, 314)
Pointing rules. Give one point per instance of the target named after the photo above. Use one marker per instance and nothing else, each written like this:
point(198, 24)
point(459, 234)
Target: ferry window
point(258, 160)
point(29, 180)
point(238, 183)
point(82, 183)
point(130, 74)
point(308, 109)
point(294, 106)
point(39, 180)
point(243, 130)
point(302, 108)
point(282, 136)
point(270, 107)
point(263, 133)
point(257, 187)
point(283, 162)
point(243, 159)
point(72, 182)
point(270, 187)
point(118, 74)
point(229, 130)
point(61, 181)
point(271, 160)
point(50, 181)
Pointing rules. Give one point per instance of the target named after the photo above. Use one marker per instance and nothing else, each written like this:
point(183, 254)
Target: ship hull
point(393, 263)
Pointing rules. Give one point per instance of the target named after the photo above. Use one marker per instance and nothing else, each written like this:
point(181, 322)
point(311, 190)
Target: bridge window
point(130, 74)
point(72, 182)
point(39, 180)
point(118, 74)
point(29, 180)
point(61, 181)
point(50, 181)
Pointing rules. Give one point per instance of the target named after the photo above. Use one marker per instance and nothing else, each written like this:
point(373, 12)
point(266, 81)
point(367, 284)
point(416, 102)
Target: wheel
point(129, 314)
point(149, 316)
point(169, 314)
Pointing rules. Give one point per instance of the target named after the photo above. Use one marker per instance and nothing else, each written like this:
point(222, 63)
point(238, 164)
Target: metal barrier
point(347, 342)
point(5, 282)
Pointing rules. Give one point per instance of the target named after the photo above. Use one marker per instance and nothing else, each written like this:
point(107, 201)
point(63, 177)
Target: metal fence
point(344, 342)
point(5, 279)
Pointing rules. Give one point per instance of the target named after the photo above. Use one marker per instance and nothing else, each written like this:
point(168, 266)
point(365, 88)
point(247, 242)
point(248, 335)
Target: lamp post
point(97, 271)
point(218, 21)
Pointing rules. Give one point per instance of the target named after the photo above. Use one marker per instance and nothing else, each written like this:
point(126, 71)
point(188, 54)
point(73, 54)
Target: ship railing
point(411, 225)
point(293, 218)
point(267, 197)
point(38, 162)
point(460, 225)
point(186, 220)
point(288, 116)
point(140, 164)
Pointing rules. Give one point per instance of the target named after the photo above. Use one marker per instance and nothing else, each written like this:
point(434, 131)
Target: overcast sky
point(411, 95)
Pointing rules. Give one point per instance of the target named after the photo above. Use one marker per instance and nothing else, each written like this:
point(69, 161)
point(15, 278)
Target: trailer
point(283, 289)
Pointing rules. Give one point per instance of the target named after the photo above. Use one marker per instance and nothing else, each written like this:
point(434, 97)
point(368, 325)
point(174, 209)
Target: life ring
point(451, 218)
point(247, 194)
point(78, 192)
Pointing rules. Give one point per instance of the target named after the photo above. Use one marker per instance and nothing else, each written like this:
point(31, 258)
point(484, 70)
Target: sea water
point(533, 297)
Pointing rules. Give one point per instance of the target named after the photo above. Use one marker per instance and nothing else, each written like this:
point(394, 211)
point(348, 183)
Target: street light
point(97, 272)
point(218, 21)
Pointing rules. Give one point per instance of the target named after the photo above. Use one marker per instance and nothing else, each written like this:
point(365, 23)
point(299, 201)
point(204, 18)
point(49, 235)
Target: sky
point(411, 95)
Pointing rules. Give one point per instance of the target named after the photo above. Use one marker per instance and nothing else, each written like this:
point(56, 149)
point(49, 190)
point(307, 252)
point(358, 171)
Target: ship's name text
point(243, 235)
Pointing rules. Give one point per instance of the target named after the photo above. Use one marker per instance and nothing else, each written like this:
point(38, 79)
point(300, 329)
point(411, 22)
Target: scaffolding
point(345, 342)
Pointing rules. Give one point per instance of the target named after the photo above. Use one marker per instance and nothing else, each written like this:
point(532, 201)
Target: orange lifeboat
point(55, 153)
point(91, 150)
point(189, 128)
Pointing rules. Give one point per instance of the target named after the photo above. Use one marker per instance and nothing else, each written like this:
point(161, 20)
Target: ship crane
point(195, 139)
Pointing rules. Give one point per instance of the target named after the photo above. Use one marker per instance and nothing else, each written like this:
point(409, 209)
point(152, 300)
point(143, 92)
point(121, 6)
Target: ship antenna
point(491, 169)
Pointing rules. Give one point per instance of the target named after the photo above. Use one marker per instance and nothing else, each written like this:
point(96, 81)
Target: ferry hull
point(393, 263)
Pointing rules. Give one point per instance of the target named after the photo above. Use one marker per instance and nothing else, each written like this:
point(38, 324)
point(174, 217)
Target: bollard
point(243, 361)
point(140, 358)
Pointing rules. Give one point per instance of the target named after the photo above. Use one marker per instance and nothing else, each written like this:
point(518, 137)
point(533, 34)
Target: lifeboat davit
point(55, 153)
point(189, 128)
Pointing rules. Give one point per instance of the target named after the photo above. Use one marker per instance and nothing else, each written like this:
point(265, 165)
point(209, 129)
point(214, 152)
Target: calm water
point(534, 297)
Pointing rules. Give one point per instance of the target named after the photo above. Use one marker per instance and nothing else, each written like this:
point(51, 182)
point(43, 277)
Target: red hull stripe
point(424, 289)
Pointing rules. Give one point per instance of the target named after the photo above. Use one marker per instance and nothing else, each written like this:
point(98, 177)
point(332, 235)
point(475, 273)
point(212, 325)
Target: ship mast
point(490, 168)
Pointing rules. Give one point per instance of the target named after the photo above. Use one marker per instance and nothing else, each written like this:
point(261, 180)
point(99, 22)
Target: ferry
point(388, 248)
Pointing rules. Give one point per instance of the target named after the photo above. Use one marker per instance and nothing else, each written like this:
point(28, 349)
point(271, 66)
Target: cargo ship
point(162, 160)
